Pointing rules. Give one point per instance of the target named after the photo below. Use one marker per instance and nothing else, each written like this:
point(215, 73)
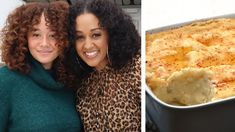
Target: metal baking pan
point(217, 116)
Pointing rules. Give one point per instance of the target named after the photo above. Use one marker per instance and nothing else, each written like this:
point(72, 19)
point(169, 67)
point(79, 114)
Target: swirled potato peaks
point(192, 64)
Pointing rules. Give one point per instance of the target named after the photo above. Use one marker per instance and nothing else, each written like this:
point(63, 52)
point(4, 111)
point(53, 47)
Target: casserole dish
point(216, 116)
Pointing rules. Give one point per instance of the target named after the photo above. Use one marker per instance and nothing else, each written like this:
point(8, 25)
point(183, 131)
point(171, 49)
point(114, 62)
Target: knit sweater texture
point(35, 102)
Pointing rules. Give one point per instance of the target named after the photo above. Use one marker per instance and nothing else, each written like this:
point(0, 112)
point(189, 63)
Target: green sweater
point(36, 103)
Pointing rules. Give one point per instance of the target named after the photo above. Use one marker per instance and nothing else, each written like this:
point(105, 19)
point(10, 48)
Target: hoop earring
point(108, 57)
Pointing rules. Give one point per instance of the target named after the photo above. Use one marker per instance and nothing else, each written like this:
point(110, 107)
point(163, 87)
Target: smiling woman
point(42, 44)
point(104, 57)
point(92, 41)
point(32, 98)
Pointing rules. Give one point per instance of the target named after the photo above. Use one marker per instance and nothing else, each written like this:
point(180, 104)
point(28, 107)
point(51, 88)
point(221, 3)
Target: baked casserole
point(192, 64)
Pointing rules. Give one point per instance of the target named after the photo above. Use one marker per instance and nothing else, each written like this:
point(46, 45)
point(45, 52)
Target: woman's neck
point(102, 65)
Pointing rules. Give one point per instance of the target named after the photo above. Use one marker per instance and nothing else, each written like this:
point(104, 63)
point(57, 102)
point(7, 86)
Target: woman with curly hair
point(105, 55)
point(31, 98)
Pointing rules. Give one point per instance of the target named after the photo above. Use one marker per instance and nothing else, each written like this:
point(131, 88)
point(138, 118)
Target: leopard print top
point(109, 100)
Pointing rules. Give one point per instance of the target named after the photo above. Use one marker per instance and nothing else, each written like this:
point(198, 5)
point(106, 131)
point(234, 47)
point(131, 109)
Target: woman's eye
point(52, 36)
point(35, 34)
point(96, 35)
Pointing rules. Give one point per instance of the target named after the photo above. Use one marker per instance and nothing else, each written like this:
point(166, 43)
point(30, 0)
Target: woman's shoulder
point(9, 77)
point(134, 64)
point(5, 71)
point(132, 71)
point(137, 59)
point(6, 81)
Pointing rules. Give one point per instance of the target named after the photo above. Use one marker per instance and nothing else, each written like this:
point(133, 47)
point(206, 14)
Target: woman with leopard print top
point(104, 56)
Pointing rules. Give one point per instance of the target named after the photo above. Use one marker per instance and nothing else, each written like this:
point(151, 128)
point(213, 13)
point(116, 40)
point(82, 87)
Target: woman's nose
point(88, 43)
point(45, 41)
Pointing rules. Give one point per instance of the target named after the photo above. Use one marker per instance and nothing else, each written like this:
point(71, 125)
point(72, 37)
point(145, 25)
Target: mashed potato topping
point(192, 64)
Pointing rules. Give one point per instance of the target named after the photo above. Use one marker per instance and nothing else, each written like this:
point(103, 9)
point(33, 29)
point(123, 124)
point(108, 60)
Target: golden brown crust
point(208, 45)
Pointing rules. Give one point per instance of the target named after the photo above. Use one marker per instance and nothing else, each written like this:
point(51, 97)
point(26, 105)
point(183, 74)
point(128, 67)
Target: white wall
point(6, 6)
point(157, 13)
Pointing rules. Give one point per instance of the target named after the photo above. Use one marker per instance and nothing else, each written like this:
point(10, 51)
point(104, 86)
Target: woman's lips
point(91, 54)
point(44, 51)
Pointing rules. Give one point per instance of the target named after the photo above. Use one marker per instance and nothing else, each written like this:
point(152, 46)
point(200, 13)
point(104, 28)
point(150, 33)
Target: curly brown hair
point(15, 52)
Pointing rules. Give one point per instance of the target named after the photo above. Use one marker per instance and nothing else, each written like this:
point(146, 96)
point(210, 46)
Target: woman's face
point(42, 44)
point(91, 41)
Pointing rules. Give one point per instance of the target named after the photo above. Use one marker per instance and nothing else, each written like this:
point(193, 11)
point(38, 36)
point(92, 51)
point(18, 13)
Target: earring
point(108, 57)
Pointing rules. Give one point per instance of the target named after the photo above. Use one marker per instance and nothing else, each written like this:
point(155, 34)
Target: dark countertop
point(149, 125)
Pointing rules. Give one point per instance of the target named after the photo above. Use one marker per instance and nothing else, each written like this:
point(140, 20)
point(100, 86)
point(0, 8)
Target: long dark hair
point(124, 39)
